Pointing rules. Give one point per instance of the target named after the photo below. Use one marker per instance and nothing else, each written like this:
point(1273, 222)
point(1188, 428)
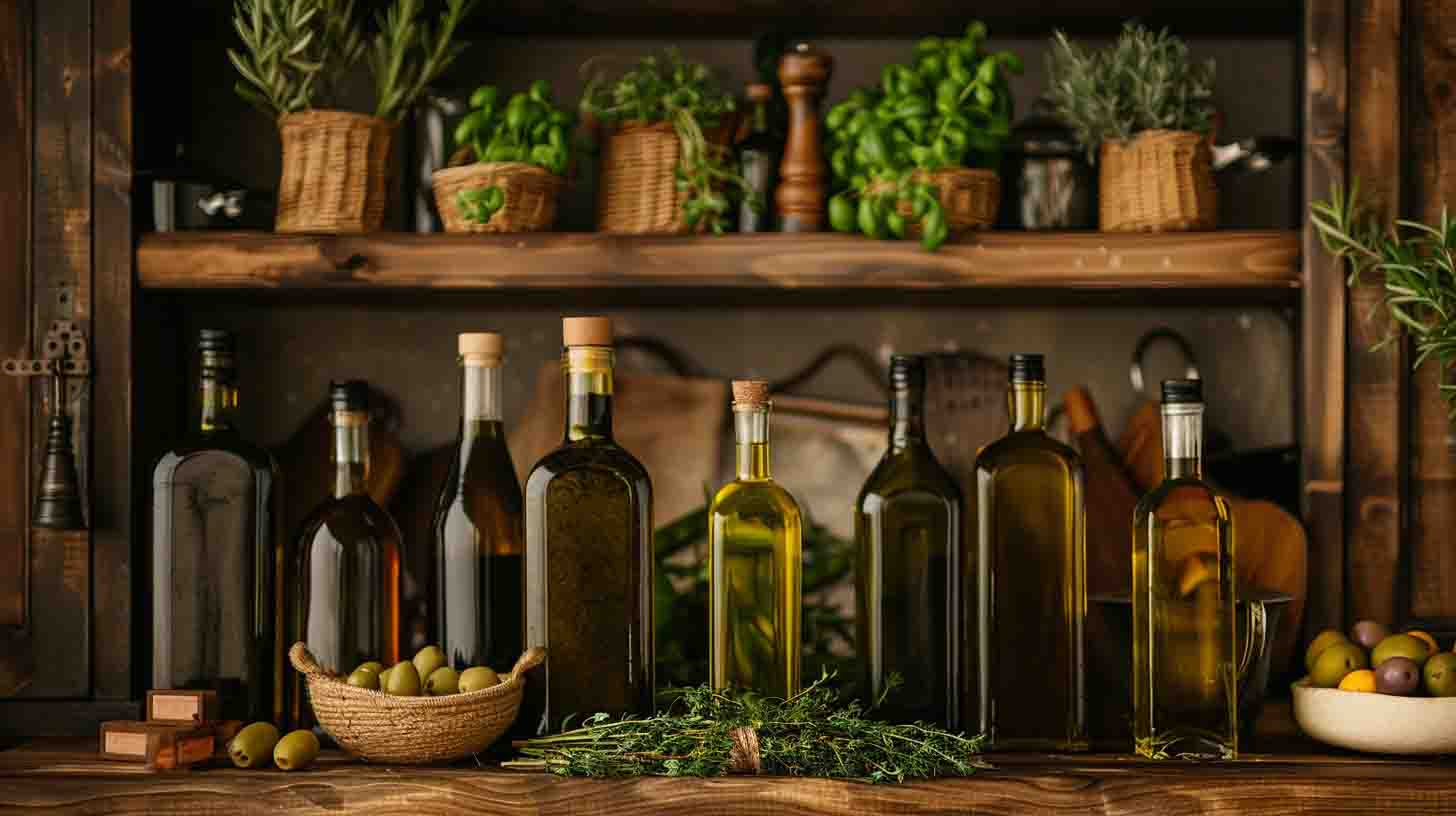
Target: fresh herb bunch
point(713, 733)
point(407, 54)
point(1144, 81)
point(529, 128)
point(1416, 263)
point(685, 94)
point(951, 108)
point(277, 65)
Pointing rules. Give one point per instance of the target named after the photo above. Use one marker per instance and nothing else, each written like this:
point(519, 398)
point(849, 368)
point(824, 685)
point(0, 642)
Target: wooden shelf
point(1250, 262)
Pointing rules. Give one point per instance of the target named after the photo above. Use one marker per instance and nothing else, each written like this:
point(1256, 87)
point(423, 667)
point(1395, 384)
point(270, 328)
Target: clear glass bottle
point(1027, 679)
point(216, 554)
point(479, 527)
point(907, 583)
point(346, 590)
point(1184, 677)
point(755, 563)
point(589, 559)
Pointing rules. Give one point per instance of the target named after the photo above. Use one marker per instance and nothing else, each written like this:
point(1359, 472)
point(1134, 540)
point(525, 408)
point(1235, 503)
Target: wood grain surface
point(1242, 260)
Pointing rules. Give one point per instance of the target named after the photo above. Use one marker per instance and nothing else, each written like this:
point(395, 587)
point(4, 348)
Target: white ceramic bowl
point(1376, 723)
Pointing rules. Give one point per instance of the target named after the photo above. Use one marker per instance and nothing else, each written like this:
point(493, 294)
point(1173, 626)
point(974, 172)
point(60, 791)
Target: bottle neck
point(588, 392)
point(750, 429)
point(480, 393)
point(760, 117)
point(351, 452)
point(1026, 404)
point(1183, 441)
point(217, 401)
point(907, 417)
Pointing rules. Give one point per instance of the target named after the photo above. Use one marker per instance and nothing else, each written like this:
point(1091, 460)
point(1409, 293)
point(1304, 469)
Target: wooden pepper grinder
point(803, 177)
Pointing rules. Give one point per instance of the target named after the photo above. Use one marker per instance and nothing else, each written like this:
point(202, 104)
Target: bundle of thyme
point(713, 733)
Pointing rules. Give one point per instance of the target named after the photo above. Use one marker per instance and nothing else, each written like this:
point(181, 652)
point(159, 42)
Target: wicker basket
point(1161, 180)
point(379, 727)
point(530, 196)
point(638, 192)
point(968, 196)
point(336, 172)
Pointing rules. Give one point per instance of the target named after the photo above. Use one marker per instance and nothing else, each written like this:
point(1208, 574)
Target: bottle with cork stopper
point(755, 563)
point(589, 558)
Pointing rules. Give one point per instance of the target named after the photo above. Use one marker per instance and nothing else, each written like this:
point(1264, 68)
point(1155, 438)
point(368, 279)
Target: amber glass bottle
point(1032, 599)
point(755, 563)
point(346, 596)
point(907, 581)
point(589, 566)
point(479, 529)
point(216, 568)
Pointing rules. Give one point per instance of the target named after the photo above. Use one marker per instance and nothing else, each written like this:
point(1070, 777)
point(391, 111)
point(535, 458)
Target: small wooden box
point(181, 706)
point(158, 745)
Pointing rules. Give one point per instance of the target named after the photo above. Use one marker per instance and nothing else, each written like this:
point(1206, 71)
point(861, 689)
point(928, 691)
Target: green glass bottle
point(907, 583)
point(1184, 677)
point(589, 562)
point(755, 563)
point(1029, 675)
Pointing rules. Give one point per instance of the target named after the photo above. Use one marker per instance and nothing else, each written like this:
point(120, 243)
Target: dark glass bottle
point(346, 596)
point(908, 579)
point(1030, 606)
point(216, 554)
point(479, 530)
point(589, 565)
point(758, 162)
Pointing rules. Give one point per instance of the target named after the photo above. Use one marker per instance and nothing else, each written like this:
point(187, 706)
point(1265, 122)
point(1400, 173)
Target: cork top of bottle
point(482, 344)
point(758, 92)
point(750, 392)
point(586, 331)
point(1182, 392)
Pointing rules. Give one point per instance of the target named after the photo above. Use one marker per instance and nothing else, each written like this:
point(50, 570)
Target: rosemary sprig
point(808, 734)
point(1416, 263)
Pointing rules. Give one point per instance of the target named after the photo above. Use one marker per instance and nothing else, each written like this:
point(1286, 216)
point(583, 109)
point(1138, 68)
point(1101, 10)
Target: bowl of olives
point(417, 711)
point(1378, 691)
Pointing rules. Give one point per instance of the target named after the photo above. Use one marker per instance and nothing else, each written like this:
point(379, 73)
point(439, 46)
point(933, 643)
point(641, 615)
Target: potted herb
point(666, 166)
point(510, 163)
point(917, 154)
point(295, 55)
point(1144, 109)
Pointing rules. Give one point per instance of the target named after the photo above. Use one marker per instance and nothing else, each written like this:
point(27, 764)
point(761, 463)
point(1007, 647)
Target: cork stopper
point(759, 92)
point(486, 347)
point(586, 331)
point(750, 392)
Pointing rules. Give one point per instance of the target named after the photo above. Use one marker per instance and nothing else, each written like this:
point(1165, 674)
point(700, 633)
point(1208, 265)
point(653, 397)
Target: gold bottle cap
point(750, 392)
point(586, 331)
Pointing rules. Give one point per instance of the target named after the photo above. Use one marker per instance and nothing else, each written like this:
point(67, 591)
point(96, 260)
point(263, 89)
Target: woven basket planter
point(637, 192)
point(530, 193)
point(336, 172)
point(381, 727)
point(1160, 181)
point(968, 196)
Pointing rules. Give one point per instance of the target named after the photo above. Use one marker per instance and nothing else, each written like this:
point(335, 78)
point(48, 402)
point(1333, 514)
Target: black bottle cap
point(907, 372)
point(1027, 368)
point(349, 395)
point(1182, 392)
point(215, 340)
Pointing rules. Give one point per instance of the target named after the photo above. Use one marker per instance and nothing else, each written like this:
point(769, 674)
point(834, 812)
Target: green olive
point(384, 678)
point(477, 678)
point(363, 678)
point(442, 681)
point(1440, 675)
point(296, 751)
point(372, 666)
point(403, 680)
point(1322, 641)
point(1335, 662)
point(428, 659)
point(252, 746)
point(1401, 646)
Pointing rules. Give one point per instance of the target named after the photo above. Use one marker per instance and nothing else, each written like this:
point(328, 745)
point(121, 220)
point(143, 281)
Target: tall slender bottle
point(479, 529)
point(907, 585)
point(346, 596)
point(1183, 674)
point(589, 560)
point(1031, 599)
point(755, 563)
point(759, 155)
point(216, 554)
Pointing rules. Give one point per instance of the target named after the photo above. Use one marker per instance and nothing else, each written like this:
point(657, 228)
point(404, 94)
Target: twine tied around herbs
point(743, 756)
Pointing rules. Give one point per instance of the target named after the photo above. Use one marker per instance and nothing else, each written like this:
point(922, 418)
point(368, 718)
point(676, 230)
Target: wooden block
point(160, 746)
point(181, 706)
point(222, 736)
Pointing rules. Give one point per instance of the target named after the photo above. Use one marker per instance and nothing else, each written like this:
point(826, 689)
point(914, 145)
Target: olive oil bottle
point(1026, 681)
point(907, 530)
point(1183, 675)
point(589, 560)
point(755, 563)
point(479, 528)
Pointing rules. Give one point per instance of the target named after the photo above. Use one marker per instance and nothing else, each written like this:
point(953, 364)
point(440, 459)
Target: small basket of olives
point(1379, 691)
point(392, 715)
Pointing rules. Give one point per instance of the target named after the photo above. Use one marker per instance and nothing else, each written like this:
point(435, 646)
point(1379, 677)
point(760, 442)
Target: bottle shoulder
point(254, 457)
point(595, 455)
point(1185, 496)
point(753, 498)
point(350, 518)
point(908, 473)
point(1027, 447)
